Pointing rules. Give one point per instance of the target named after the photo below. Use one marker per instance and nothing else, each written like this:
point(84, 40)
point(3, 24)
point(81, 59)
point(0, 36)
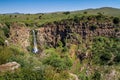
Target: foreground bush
point(58, 62)
point(23, 74)
point(104, 49)
point(5, 54)
point(116, 20)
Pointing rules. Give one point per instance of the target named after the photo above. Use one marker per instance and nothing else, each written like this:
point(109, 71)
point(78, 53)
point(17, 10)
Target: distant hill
point(42, 18)
point(104, 10)
point(14, 13)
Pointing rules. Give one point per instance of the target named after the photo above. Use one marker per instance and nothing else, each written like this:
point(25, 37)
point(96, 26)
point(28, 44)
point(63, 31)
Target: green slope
point(104, 10)
point(43, 18)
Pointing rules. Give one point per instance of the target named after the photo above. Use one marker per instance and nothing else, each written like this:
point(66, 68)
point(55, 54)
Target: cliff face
point(51, 34)
point(68, 32)
point(19, 35)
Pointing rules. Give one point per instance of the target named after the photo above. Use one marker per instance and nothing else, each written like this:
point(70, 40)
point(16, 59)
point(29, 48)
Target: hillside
point(109, 11)
point(42, 18)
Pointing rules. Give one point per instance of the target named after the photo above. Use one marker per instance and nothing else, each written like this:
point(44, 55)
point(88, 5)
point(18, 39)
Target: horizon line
point(16, 12)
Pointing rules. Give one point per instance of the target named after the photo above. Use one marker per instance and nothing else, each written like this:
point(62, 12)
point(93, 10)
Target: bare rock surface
point(10, 66)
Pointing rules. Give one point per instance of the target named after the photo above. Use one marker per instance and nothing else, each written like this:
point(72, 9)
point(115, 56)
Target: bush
point(66, 13)
point(2, 37)
point(85, 12)
point(104, 48)
point(117, 58)
point(105, 57)
point(57, 62)
point(1, 41)
point(76, 19)
point(96, 76)
point(6, 31)
point(116, 20)
point(117, 29)
point(24, 74)
point(93, 27)
point(100, 16)
point(52, 74)
point(5, 54)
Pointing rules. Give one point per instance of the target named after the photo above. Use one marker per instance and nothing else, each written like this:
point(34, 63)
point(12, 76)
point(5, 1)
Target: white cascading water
point(35, 49)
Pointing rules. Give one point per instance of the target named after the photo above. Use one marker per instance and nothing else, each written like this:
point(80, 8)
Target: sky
point(44, 6)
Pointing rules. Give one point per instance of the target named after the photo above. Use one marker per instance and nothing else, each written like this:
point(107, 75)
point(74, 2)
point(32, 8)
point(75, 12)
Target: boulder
point(10, 66)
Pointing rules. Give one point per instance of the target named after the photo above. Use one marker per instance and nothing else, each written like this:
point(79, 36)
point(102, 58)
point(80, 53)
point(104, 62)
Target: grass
point(39, 19)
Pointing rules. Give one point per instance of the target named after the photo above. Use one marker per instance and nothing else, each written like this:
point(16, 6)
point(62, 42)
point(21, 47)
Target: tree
point(96, 76)
point(116, 20)
point(76, 19)
point(93, 27)
point(100, 16)
point(117, 58)
point(66, 13)
point(99, 13)
point(40, 17)
point(105, 57)
point(10, 16)
point(15, 16)
point(85, 12)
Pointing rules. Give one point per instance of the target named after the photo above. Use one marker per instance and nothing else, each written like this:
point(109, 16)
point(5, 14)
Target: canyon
point(78, 45)
point(66, 31)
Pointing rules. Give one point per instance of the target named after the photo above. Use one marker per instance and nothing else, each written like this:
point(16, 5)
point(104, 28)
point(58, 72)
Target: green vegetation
point(116, 20)
point(66, 13)
point(5, 54)
point(57, 62)
point(93, 27)
point(105, 49)
point(39, 19)
point(89, 59)
point(96, 76)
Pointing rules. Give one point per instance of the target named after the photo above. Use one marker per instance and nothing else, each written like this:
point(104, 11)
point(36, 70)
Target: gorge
point(66, 31)
point(71, 46)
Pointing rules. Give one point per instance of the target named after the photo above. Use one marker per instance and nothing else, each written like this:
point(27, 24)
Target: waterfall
point(35, 49)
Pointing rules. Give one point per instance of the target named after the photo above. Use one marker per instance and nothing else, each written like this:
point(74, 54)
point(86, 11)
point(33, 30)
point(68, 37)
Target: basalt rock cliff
point(65, 31)
point(69, 32)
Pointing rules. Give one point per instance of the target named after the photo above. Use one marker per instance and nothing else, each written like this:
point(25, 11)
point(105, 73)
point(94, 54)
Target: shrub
point(93, 27)
point(85, 12)
point(100, 16)
point(2, 37)
point(104, 48)
point(76, 19)
point(66, 13)
point(40, 17)
point(96, 76)
point(6, 31)
point(57, 62)
point(117, 58)
point(117, 29)
point(105, 57)
point(1, 41)
point(5, 54)
point(24, 74)
point(116, 20)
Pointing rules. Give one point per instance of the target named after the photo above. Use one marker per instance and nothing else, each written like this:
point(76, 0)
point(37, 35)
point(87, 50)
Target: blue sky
point(41, 6)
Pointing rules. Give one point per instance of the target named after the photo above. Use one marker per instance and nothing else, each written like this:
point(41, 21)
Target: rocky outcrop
point(75, 77)
point(11, 66)
point(65, 31)
point(71, 32)
point(19, 35)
